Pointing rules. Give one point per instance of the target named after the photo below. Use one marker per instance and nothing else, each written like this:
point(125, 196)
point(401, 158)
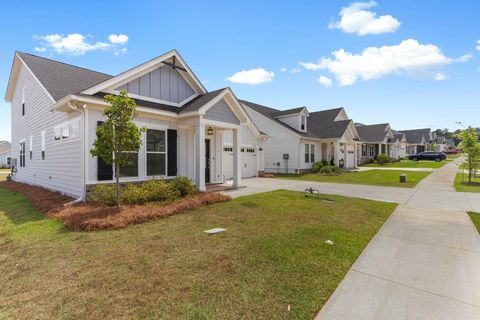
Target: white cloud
point(478, 45)
point(440, 76)
point(409, 56)
point(77, 44)
point(283, 69)
point(252, 76)
point(120, 39)
point(465, 57)
point(295, 70)
point(356, 19)
point(121, 51)
point(326, 82)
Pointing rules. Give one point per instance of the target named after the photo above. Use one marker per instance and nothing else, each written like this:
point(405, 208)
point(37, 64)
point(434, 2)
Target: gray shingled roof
point(415, 136)
point(320, 124)
point(372, 133)
point(61, 79)
point(288, 112)
point(200, 101)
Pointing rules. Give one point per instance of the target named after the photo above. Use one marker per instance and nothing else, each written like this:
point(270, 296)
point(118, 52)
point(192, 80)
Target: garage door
point(249, 162)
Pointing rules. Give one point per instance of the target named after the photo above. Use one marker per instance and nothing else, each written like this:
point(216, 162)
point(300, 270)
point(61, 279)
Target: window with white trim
point(31, 147)
point(66, 131)
point(156, 152)
point(303, 123)
point(364, 150)
point(9, 161)
point(23, 101)
point(309, 153)
point(22, 153)
point(42, 134)
point(130, 170)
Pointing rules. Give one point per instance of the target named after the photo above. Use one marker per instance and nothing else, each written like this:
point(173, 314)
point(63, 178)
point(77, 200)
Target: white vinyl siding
point(62, 168)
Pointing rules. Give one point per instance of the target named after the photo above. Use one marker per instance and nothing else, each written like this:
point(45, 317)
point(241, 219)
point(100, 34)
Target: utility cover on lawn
point(215, 230)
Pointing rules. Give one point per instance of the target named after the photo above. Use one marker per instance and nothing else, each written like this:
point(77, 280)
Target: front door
point(207, 160)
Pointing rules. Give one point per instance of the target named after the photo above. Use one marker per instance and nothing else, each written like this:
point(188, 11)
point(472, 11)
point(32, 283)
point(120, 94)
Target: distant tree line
point(454, 135)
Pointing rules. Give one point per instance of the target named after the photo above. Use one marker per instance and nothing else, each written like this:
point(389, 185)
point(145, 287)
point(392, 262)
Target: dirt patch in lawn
point(43, 199)
point(91, 216)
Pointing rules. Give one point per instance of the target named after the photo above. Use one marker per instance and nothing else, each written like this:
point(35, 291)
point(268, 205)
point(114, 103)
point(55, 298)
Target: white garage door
point(249, 162)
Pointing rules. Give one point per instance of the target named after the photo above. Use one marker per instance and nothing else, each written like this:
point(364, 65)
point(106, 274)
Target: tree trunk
point(117, 178)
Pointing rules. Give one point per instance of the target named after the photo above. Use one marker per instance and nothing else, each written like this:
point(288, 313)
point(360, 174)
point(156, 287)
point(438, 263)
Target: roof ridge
point(338, 108)
point(65, 63)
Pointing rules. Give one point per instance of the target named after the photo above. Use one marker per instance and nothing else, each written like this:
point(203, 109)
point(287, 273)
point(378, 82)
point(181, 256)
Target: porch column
point(237, 163)
point(200, 157)
point(379, 149)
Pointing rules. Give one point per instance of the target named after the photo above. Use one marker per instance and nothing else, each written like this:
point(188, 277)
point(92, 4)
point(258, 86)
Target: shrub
point(324, 162)
point(383, 158)
point(104, 193)
point(317, 166)
point(330, 171)
point(184, 186)
point(161, 190)
point(134, 194)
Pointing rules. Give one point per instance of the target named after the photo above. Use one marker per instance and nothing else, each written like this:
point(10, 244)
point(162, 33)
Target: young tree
point(118, 136)
point(471, 146)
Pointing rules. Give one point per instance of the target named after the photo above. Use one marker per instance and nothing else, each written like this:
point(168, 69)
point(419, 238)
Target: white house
point(376, 139)
point(417, 140)
point(5, 154)
point(398, 145)
point(56, 108)
point(299, 138)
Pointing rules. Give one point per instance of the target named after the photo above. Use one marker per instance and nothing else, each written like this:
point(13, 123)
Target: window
point(42, 134)
point(132, 169)
point(228, 149)
point(75, 129)
point(22, 154)
point(31, 147)
point(9, 161)
point(371, 151)
point(23, 101)
point(364, 150)
point(309, 153)
point(156, 152)
point(67, 130)
point(303, 123)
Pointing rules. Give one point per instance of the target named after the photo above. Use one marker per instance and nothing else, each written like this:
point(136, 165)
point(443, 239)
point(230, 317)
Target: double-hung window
point(364, 150)
point(309, 153)
point(156, 152)
point(130, 170)
point(303, 123)
point(22, 153)
point(23, 101)
point(371, 150)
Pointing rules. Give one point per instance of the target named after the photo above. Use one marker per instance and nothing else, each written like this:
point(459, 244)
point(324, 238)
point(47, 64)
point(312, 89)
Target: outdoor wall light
point(210, 131)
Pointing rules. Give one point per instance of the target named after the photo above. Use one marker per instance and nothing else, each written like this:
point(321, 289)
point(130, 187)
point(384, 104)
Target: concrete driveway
point(424, 263)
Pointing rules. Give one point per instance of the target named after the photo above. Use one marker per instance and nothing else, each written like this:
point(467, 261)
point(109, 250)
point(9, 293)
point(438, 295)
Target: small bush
point(184, 186)
point(330, 171)
point(104, 193)
point(161, 190)
point(317, 166)
point(383, 158)
point(324, 163)
point(134, 194)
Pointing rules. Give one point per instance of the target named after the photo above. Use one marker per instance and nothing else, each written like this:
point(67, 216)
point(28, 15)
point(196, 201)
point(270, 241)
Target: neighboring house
point(398, 145)
point(450, 143)
point(5, 159)
point(375, 139)
point(56, 108)
point(299, 138)
point(418, 140)
point(440, 143)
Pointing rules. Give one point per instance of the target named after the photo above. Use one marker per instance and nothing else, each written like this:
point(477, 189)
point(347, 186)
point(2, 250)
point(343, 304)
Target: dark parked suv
point(428, 155)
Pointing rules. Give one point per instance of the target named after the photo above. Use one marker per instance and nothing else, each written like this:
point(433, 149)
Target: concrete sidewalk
point(423, 263)
point(394, 169)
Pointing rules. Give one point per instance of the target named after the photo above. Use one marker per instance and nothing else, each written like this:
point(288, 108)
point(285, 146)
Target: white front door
point(350, 156)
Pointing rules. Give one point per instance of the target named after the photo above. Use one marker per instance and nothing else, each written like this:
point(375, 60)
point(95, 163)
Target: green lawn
point(272, 255)
point(388, 178)
point(465, 188)
point(475, 216)
point(409, 164)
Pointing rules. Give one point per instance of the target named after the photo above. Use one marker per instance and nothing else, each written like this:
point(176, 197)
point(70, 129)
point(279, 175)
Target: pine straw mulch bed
point(94, 216)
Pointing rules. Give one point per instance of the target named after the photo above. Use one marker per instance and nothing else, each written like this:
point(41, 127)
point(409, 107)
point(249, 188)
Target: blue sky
point(422, 68)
